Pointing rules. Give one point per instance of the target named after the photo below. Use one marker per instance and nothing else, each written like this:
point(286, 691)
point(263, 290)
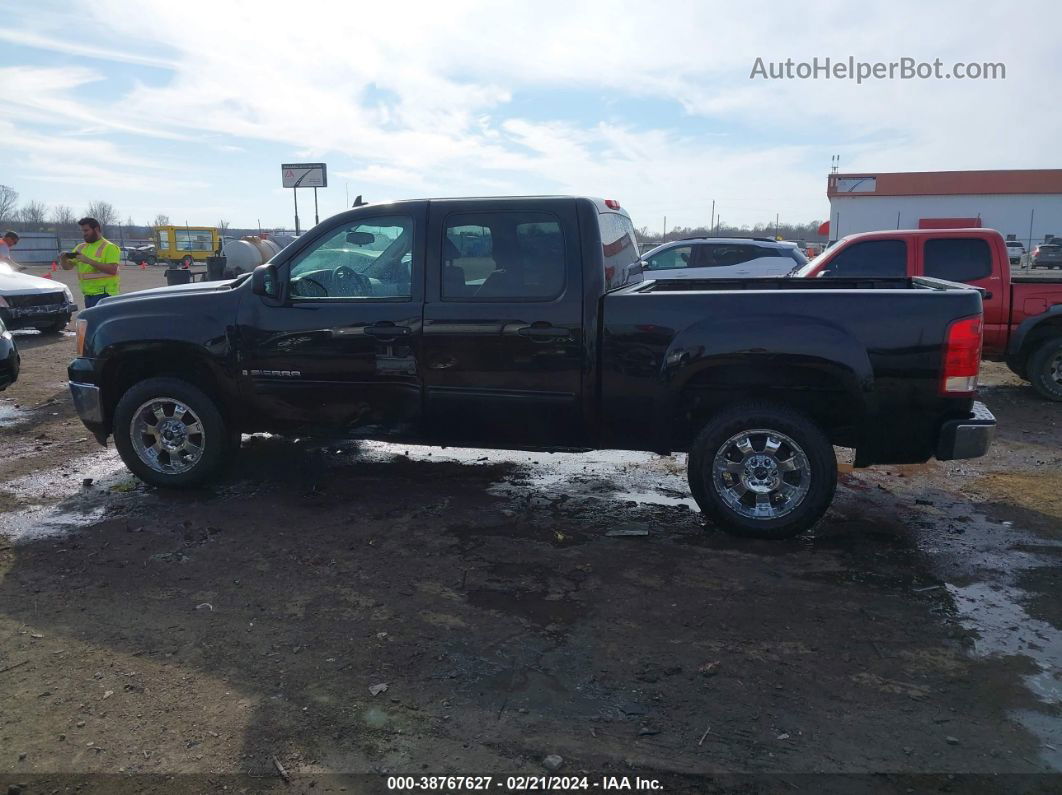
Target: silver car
point(722, 258)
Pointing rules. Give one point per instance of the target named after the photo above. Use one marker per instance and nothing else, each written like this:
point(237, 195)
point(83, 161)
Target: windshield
point(802, 270)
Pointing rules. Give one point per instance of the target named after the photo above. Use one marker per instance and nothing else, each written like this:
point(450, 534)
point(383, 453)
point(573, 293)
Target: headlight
point(69, 295)
point(80, 326)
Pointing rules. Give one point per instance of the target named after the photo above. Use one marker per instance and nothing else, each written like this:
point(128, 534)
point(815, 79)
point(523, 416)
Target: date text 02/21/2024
point(520, 783)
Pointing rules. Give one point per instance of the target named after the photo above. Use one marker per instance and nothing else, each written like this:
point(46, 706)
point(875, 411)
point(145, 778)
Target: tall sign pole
point(304, 175)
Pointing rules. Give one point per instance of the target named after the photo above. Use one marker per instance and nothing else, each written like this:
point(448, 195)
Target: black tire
point(216, 441)
point(810, 441)
point(1045, 369)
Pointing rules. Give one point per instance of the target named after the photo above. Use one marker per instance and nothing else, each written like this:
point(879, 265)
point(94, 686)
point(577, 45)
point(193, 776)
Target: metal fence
point(35, 248)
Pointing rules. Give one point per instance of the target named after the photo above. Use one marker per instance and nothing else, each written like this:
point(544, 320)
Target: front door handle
point(543, 331)
point(387, 330)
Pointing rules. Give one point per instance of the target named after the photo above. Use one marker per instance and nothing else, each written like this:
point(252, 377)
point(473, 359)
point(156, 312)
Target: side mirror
point(264, 281)
point(361, 238)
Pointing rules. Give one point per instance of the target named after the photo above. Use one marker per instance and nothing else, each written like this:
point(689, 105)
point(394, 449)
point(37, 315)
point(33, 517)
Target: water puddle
point(9, 415)
point(995, 554)
point(645, 478)
point(1005, 628)
point(59, 504)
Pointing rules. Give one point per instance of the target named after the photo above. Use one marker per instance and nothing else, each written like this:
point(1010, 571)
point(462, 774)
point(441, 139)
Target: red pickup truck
point(1023, 314)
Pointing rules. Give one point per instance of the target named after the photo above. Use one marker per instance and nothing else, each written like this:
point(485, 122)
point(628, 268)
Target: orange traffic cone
point(48, 275)
point(54, 266)
point(143, 265)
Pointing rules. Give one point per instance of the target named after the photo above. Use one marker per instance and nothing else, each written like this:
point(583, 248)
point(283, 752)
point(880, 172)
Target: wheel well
point(821, 395)
point(129, 368)
point(1042, 332)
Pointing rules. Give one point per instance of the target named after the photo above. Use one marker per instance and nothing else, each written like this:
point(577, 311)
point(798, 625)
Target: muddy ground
point(198, 641)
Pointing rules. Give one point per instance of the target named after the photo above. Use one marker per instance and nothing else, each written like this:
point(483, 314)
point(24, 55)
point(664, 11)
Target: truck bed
point(874, 353)
point(787, 283)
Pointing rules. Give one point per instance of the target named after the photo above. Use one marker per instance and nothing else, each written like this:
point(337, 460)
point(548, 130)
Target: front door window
point(369, 259)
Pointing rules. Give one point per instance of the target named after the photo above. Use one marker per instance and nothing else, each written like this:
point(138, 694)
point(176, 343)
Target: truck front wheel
point(762, 471)
point(1045, 369)
point(170, 433)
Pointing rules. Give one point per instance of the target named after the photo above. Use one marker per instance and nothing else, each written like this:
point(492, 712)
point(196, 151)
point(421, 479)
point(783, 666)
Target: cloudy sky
point(189, 108)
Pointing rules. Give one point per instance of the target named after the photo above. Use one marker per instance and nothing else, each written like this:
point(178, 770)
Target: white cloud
point(422, 98)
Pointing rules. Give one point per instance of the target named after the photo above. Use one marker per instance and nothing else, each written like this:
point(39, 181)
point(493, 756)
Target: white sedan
point(32, 302)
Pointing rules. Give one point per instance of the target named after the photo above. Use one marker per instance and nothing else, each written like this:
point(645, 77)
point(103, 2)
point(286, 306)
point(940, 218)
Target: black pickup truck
point(526, 323)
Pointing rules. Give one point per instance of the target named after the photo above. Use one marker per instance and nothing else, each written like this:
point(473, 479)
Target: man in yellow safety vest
point(97, 263)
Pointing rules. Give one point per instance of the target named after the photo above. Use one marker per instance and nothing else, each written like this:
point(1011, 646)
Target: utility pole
point(665, 226)
point(711, 226)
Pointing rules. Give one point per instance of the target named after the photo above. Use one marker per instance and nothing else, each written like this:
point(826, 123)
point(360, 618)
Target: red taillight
point(612, 204)
point(962, 357)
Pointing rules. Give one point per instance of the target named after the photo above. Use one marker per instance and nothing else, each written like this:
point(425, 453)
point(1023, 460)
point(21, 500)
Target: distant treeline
point(807, 232)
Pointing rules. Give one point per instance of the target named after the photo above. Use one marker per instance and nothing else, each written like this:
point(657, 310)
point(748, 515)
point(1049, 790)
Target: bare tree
point(8, 202)
point(33, 213)
point(129, 222)
point(223, 224)
point(63, 216)
point(161, 220)
point(103, 212)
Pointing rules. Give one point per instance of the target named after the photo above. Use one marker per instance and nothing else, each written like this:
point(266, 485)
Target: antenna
point(835, 163)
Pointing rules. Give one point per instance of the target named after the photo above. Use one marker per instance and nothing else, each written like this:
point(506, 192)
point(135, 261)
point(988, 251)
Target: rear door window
point(503, 256)
point(722, 255)
point(871, 259)
point(957, 259)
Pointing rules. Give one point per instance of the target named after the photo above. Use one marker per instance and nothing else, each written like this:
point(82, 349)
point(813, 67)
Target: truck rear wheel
point(170, 433)
point(762, 471)
point(1045, 369)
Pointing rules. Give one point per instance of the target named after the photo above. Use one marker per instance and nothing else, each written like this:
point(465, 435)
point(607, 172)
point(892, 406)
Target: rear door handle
point(544, 331)
point(387, 330)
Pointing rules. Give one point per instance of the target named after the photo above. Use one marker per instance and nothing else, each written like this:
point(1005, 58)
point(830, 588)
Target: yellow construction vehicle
point(185, 245)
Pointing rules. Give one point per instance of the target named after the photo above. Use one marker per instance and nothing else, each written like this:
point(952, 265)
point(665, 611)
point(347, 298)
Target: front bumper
point(88, 402)
point(44, 315)
point(969, 437)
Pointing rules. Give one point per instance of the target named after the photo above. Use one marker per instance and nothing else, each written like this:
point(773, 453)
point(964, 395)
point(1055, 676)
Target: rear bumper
point(969, 437)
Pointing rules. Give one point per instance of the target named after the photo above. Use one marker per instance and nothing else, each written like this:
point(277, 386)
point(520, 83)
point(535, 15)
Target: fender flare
point(1017, 339)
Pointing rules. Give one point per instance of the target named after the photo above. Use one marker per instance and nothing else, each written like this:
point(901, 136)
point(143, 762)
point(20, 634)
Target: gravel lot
point(202, 640)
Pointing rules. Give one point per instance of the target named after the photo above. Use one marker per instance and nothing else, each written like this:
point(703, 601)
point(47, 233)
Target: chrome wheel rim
point(167, 435)
point(1054, 369)
point(761, 474)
